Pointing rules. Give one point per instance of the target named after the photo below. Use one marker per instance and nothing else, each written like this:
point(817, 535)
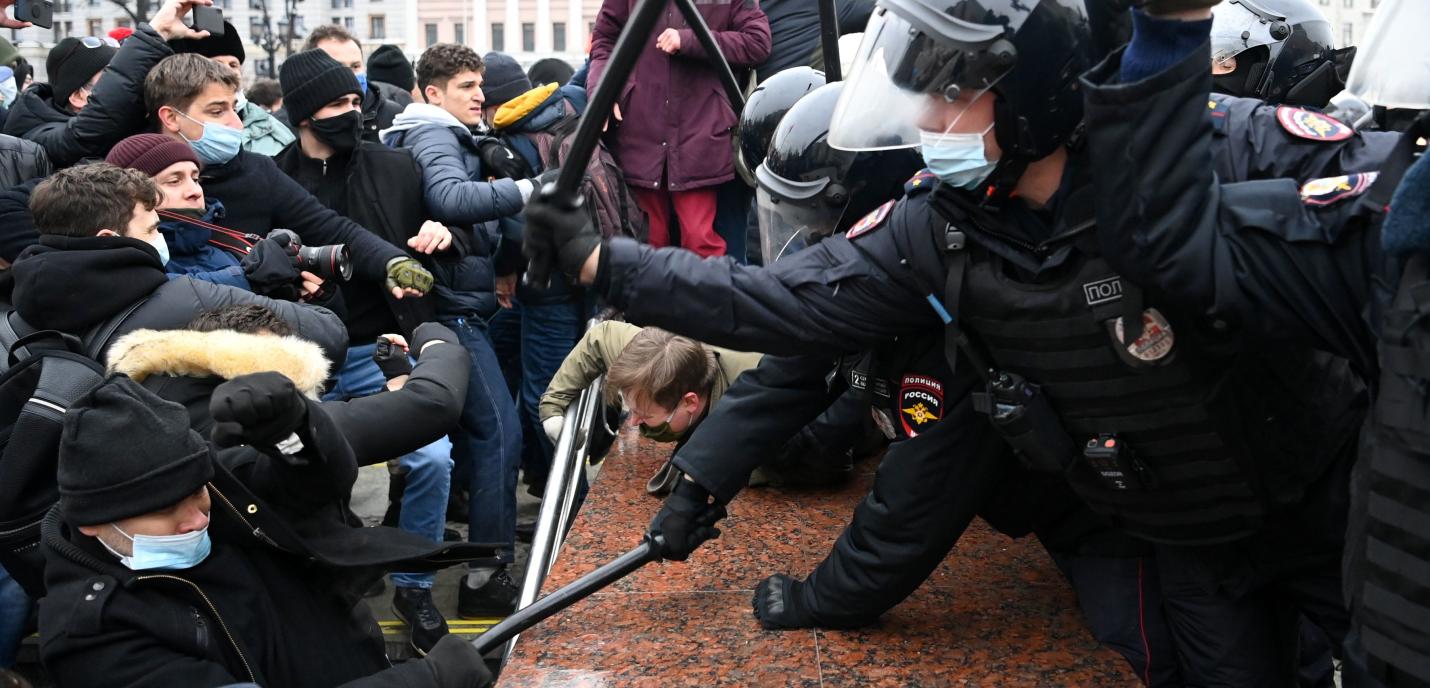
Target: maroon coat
point(677, 118)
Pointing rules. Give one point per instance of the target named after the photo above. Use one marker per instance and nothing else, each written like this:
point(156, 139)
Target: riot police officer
point(1149, 410)
point(1279, 51)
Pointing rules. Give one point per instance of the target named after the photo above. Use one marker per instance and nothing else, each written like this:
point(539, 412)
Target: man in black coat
point(377, 110)
point(182, 565)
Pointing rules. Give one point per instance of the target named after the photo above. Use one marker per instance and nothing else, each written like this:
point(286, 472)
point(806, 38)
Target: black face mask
point(341, 132)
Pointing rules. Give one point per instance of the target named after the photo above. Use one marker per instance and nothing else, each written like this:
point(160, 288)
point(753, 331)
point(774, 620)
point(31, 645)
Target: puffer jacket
point(115, 109)
point(191, 254)
point(263, 133)
point(21, 161)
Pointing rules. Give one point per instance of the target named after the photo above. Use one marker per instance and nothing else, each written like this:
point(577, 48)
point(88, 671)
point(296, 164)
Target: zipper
point(257, 531)
point(223, 626)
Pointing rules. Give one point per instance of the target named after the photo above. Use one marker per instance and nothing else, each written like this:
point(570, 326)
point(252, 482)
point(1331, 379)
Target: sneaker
point(424, 623)
point(496, 598)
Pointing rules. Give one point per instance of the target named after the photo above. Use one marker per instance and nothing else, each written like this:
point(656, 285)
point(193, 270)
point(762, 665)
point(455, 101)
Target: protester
point(795, 33)
point(391, 73)
point(267, 94)
point(156, 574)
point(673, 119)
point(551, 70)
point(377, 110)
point(262, 132)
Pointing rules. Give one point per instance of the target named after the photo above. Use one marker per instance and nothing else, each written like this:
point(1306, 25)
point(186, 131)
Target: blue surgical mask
point(164, 552)
point(218, 144)
point(240, 100)
point(362, 82)
point(8, 91)
point(162, 247)
point(957, 159)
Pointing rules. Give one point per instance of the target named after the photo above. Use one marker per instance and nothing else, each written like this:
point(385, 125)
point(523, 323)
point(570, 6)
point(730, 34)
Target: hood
point(519, 108)
point(187, 239)
point(71, 284)
point(223, 353)
point(420, 115)
point(32, 109)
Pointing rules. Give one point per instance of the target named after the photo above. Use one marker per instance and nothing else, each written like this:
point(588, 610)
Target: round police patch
point(1311, 125)
point(870, 221)
point(1156, 340)
point(920, 403)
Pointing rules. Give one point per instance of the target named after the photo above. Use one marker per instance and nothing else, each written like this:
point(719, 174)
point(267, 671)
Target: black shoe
point(450, 535)
point(378, 587)
point(425, 624)
point(496, 598)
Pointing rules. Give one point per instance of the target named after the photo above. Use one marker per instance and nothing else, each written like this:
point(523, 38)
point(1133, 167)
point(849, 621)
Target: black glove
point(456, 664)
point(259, 410)
point(391, 359)
point(778, 604)
point(557, 233)
point(429, 332)
point(686, 520)
point(500, 161)
point(270, 270)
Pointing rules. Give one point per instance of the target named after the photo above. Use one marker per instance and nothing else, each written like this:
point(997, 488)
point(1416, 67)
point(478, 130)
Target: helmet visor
point(1236, 29)
point(904, 83)
point(790, 224)
point(1392, 67)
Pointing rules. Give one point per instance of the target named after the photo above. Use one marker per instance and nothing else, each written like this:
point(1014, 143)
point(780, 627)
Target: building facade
point(1349, 18)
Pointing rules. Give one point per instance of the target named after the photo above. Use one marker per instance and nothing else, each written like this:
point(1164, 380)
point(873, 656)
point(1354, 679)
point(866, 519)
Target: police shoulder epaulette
point(923, 181)
point(1329, 190)
point(1312, 125)
point(1218, 114)
point(870, 221)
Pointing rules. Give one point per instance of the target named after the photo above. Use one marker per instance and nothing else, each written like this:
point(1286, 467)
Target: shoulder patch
point(1218, 114)
point(1329, 190)
point(1311, 125)
point(923, 181)
point(870, 221)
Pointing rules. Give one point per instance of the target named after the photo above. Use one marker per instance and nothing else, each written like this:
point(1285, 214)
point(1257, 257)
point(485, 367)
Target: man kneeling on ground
point(169, 562)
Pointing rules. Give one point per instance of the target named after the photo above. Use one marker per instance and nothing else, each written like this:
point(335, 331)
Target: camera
point(328, 262)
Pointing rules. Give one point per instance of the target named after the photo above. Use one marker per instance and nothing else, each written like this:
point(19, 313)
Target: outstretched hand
point(6, 21)
point(168, 22)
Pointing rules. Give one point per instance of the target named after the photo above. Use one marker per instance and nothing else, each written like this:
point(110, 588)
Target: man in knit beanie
point(390, 71)
point(169, 561)
point(262, 132)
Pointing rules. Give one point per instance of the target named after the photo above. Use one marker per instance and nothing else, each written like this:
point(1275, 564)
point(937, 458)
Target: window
point(429, 32)
point(256, 30)
point(1325, 2)
point(498, 36)
point(122, 22)
point(338, 20)
point(96, 28)
point(255, 5)
point(459, 32)
point(558, 37)
point(1348, 3)
point(1348, 34)
point(528, 36)
point(377, 26)
point(348, 23)
point(63, 6)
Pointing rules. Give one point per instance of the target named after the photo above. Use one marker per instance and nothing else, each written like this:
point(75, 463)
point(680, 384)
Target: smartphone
point(208, 19)
point(37, 12)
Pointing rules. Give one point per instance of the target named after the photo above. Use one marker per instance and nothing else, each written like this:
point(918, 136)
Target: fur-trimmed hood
point(224, 353)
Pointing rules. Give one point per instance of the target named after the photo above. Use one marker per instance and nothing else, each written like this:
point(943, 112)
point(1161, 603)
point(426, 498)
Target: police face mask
point(341, 132)
point(164, 552)
point(162, 247)
point(957, 159)
point(218, 144)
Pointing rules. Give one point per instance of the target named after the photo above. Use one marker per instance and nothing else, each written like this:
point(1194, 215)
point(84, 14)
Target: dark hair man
point(380, 188)
point(192, 99)
point(262, 132)
point(377, 110)
point(267, 94)
point(180, 564)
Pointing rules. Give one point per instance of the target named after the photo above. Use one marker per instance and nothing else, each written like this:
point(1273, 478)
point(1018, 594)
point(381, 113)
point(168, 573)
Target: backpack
point(45, 372)
point(610, 202)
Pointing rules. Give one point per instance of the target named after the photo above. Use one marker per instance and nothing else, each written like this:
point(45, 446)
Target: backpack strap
point(96, 341)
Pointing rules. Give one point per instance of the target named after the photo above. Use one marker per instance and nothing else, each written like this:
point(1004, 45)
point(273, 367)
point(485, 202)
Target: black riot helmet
point(1284, 49)
point(809, 190)
point(763, 111)
point(923, 63)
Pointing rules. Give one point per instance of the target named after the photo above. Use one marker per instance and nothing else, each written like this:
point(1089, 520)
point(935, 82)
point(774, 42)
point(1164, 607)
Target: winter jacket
point(377, 113)
point(17, 225)
point(675, 132)
point(185, 366)
point(794, 32)
point(259, 197)
point(191, 254)
point(602, 345)
point(262, 132)
point(384, 196)
point(21, 161)
point(71, 284)
point(278, 601)
point(115, 109)
point(392, 92)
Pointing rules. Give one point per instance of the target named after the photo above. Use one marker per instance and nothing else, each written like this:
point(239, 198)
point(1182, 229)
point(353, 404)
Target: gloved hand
point(557, 234)
point(686, 520)
point(406, 273)
point(1160, 7)
point(429, 332)
point(270, 270)
point(552, 426)
point(260, 410)
point(456, 664)
point(391, 358)
point(500, 161)
point(778, 604)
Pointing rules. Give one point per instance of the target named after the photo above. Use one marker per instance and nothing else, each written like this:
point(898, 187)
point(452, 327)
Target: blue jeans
point(548, 333)
point(429, 469)
point(14, 611)
point(487, 442)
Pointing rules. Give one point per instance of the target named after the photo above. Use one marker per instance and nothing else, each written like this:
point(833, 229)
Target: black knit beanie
point(71, 65)
point(503, 79)
point(126, 452)
point(312, 79)
point(388, 65)
point(230, 43)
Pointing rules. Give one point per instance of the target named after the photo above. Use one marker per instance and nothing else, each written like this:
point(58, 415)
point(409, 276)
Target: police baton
point(829, 41)
point(526, 617)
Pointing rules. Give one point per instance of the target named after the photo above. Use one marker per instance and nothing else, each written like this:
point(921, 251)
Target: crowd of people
point(1052, 266)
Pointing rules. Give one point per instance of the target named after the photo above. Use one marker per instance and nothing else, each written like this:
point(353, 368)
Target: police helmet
point(763, 110)
point(923, 63)
point(1285, 51)
point(809, 190)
